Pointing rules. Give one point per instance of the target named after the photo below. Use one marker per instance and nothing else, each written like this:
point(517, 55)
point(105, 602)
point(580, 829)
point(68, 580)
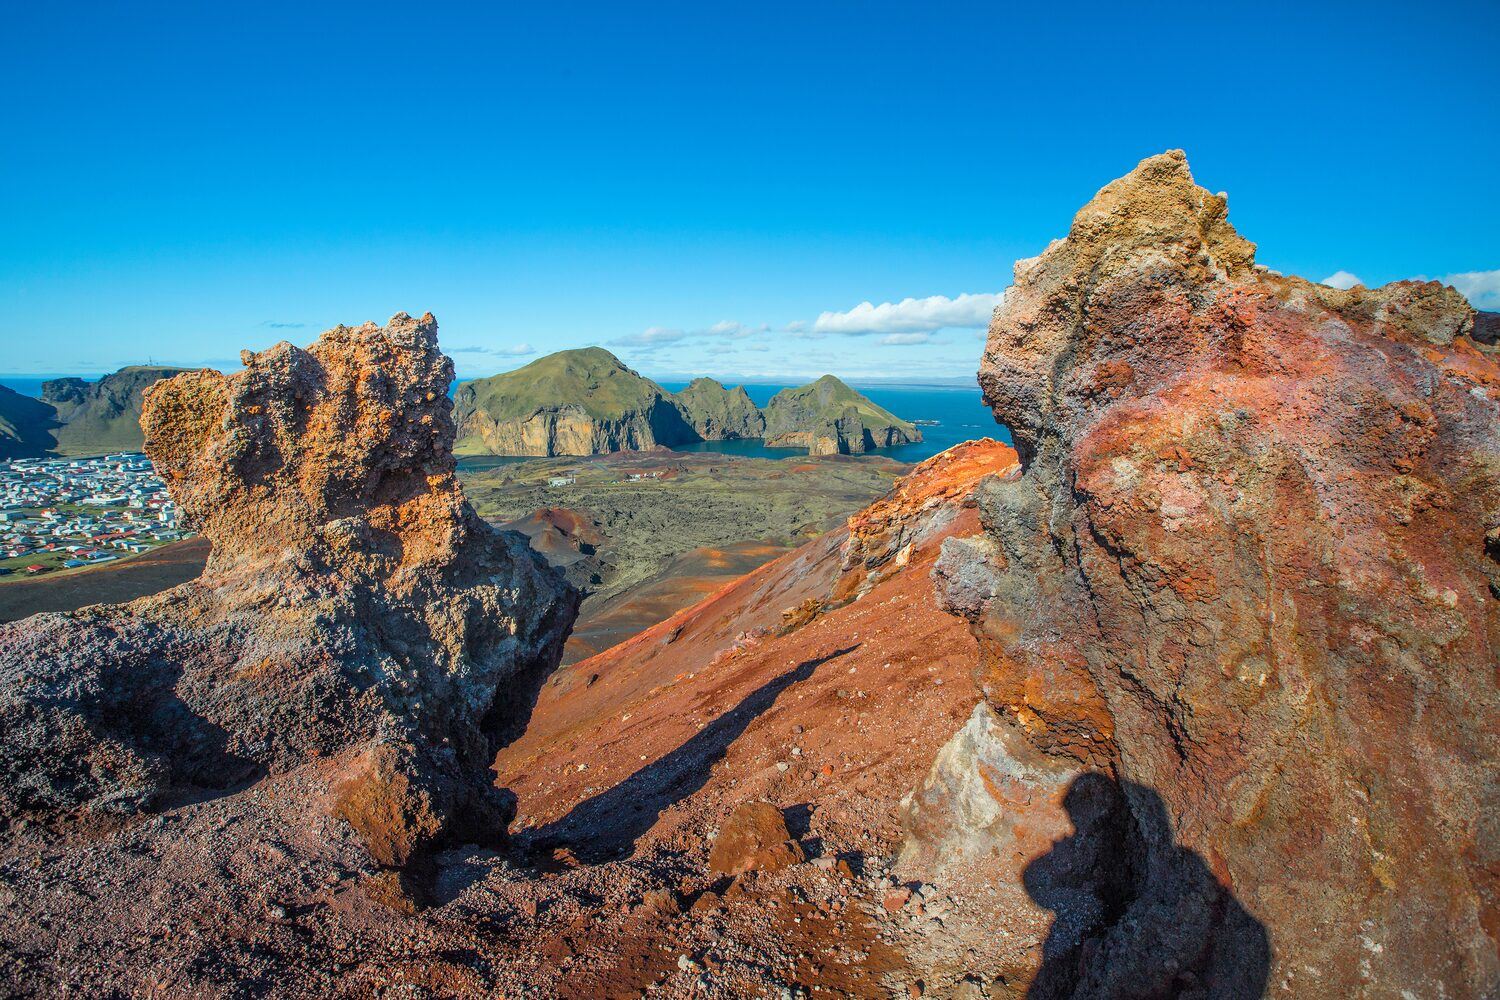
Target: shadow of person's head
point(1137, 915)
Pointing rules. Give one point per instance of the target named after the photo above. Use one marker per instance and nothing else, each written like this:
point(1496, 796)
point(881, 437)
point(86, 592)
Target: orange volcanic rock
point(354, 608)
point(1238, 625)
point(680, 693)
point(754, 838)
point(927, 500)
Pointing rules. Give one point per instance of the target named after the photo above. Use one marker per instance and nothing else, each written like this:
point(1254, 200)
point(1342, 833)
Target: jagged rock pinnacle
point(1244, 576)
point(355, 610)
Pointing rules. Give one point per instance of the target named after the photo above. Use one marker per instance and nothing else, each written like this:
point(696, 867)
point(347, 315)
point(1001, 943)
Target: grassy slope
point(708, 399)
point(110, 419)
point(591, 378)
point(829, 397)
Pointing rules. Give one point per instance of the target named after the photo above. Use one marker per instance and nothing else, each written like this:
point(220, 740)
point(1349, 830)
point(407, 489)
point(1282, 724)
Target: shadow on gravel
point(607, 825)
point(1137, 914)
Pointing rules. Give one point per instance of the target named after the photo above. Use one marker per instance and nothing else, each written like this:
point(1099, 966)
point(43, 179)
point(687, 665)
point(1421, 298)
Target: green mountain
point(75, 417)
point(104, 416)
point(719, 414)
point(586, 402)
point(580, 402)
point(828, 418)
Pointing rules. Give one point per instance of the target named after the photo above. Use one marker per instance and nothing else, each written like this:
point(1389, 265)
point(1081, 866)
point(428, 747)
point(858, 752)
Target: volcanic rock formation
point(1238, 621)
point(354, 610)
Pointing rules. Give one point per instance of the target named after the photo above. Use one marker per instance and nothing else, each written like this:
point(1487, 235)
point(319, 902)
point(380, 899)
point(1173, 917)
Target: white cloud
point(912, 315)
point(652, 336)
point(515, 351)
point(1481, 288)
point(656, 336)
point(1342, 279)
point(732, 329)
point(908, 338)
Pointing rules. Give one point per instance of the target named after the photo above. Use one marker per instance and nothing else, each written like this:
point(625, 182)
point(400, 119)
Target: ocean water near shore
point(958, 414)
point(31, 385)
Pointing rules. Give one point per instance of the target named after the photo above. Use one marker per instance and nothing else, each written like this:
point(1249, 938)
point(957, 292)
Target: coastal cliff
point(582, 402)
point(828, 418)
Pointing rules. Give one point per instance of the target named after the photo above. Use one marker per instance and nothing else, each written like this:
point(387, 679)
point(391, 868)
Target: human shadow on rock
point(607, 825)
point(1137, 915)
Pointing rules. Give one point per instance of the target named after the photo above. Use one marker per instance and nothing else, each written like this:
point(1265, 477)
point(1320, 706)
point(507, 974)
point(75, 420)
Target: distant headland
point(587, 402)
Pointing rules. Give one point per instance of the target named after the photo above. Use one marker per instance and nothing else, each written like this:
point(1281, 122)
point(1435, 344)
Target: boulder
point(754, 838)
point(355, 616)
point(1238, 611)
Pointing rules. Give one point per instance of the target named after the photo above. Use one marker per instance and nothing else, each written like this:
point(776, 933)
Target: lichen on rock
point(356, 615)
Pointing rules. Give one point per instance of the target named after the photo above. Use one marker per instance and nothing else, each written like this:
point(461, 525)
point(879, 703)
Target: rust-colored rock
point(923, 503)
point(1241, 588)
point(754, 838)
point(354, 609)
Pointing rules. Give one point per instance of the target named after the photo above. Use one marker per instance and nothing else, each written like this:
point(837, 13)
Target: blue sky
point(693, 185)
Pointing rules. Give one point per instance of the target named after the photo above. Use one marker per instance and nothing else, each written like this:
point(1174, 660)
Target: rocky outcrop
point(923, 504)
point(26, 426)
point(719, 414)
point(582, 402)
point(356, 617)
point(1238, 623)
point(828, 418)
point(96, 418)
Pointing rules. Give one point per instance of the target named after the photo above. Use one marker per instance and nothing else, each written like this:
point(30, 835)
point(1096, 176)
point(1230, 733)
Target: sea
point(31, 385)
point(956, 413)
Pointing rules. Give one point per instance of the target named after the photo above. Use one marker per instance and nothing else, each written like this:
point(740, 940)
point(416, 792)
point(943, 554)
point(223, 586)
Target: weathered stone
point(354, 608)
point(754, 838)
point(1242, 583)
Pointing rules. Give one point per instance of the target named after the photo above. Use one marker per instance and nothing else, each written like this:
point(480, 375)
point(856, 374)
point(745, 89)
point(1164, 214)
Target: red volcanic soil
point(875, 684)
point(562, 536)
point(823, 683)
point(688, 579)
point(775, 689)
point(111, 583)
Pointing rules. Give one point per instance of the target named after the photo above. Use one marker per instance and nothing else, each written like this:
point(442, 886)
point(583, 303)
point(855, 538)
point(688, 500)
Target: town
point(67, 513)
